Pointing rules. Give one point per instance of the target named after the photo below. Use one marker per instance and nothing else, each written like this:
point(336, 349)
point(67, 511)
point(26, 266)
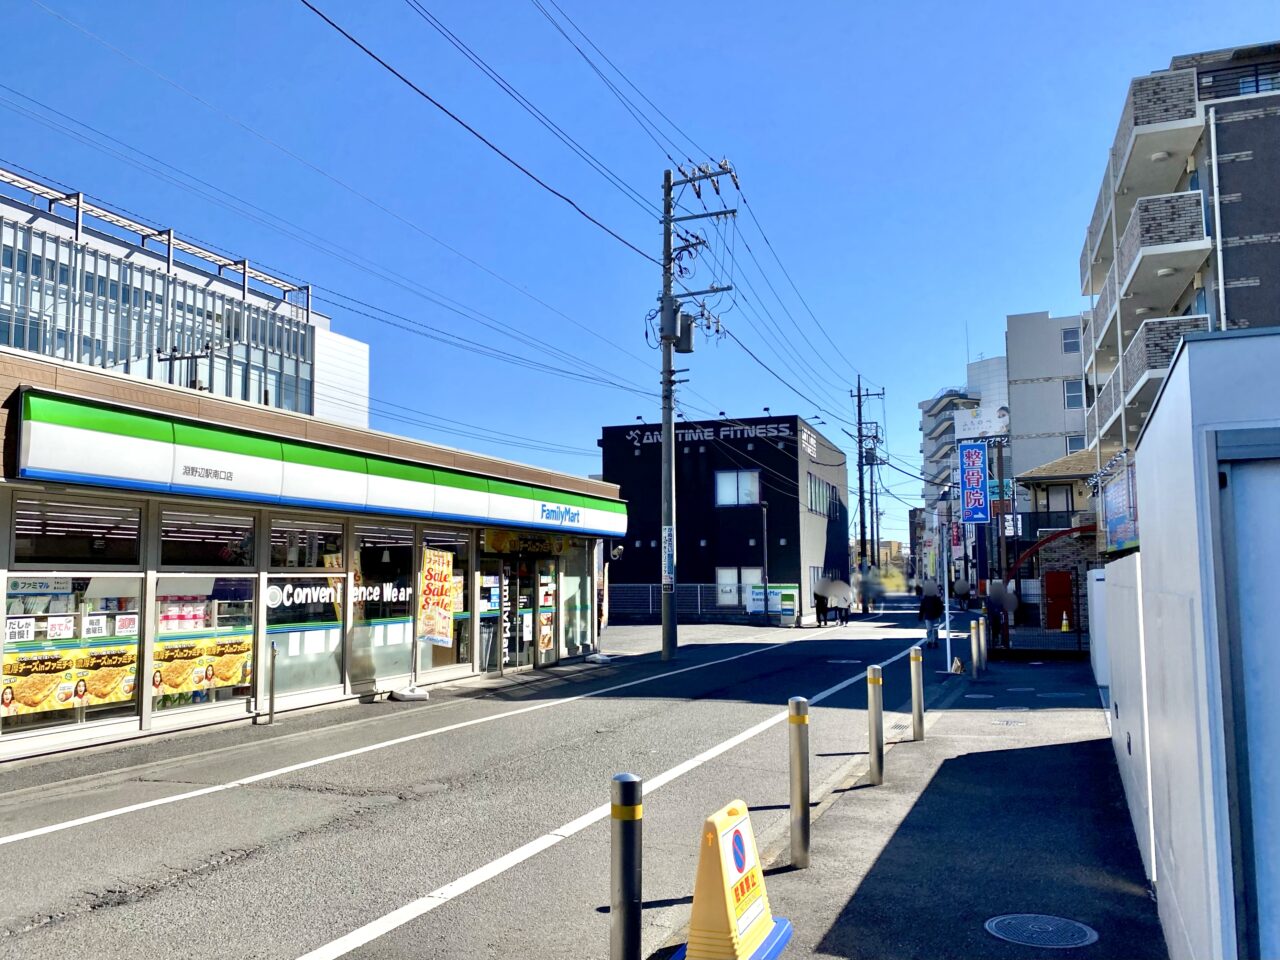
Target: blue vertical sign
point(975, 501)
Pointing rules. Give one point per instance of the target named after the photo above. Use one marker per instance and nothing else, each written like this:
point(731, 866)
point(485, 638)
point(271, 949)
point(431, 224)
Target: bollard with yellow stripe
point(731, 919)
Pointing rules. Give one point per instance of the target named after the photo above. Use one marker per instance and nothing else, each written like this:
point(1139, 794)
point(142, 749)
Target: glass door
point(494, 615)
point(546, 620)
point(521, 586)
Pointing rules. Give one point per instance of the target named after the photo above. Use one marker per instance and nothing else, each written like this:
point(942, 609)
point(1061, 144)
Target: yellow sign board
point(731, 919)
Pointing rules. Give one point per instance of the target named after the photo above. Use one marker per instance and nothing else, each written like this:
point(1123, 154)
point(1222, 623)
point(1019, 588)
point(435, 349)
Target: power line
point(648, 127)
point(296, 232)
point(732, 336)
point(529, 107)
point(474, 132)
point(337, 181)
point(627, 80)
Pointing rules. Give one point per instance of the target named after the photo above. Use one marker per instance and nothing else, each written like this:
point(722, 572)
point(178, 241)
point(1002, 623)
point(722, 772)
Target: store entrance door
point(508, 613)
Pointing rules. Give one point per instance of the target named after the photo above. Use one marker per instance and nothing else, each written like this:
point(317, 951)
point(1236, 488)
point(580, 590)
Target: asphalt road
point(319, 846)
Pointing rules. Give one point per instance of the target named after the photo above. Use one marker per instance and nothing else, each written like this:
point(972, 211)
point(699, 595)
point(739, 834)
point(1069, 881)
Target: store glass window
point(70, 649)
point(306, 544)
point(382, 602)
point(193, 539)
point(61, 534)
point(444, 599)
point(304, 623)
point(203, 650)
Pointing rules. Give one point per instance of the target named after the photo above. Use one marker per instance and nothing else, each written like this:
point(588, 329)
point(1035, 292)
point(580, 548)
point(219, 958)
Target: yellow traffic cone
point(1066, 626)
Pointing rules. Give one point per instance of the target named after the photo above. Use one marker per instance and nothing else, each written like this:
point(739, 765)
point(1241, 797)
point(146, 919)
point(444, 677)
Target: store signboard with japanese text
point(975, 498)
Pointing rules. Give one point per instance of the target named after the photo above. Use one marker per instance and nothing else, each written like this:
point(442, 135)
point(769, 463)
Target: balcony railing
point(1155, 98)
point(1094, 233)
point(1108, 399)
point(940, 449)
point(1106, 301)
point(1167, 218)
point(1155, 343)
point(1239, 81)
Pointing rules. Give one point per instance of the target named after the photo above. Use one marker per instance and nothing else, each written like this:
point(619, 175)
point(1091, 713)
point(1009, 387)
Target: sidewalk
point(1012, 804)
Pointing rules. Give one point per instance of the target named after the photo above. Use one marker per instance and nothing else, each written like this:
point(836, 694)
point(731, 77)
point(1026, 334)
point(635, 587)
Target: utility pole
point(676, 333)
point(861, 442)
point(1004, 555)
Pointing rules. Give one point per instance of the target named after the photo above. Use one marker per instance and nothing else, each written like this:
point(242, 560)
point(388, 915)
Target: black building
point(726, 472)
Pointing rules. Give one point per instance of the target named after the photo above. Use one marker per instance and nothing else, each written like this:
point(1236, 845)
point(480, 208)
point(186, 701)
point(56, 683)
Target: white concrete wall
point(1220, 383)
point(1125, 653)
point(341, 378)
point(1096, 596)
point(1180, 678)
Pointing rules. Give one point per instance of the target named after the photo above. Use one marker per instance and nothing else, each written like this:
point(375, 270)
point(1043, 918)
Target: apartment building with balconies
point(1185, 232)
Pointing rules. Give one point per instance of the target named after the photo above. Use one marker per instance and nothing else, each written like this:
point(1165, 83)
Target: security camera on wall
point(616, 552)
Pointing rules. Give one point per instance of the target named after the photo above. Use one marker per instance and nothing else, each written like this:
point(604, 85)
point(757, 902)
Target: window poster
point(436, 598)
point(43, 675)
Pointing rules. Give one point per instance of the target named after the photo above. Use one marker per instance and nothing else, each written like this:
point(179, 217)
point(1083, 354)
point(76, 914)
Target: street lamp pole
point(764, 537)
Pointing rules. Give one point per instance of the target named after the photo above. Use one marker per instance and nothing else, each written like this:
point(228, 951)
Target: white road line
point(439, 897)
point(370, 748)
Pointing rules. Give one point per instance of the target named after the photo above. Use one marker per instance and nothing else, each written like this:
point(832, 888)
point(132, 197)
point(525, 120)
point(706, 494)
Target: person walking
point(820, 608)
point(930, 612)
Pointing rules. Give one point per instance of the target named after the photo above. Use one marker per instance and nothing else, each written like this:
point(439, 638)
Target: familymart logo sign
point(561, 516)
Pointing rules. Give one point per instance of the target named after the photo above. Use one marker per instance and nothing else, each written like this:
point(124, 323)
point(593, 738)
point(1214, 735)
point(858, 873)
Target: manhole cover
point(1022, 689)
point(1013, 708)
point(1040, 930)
point(1059, 696)
point(978, 696)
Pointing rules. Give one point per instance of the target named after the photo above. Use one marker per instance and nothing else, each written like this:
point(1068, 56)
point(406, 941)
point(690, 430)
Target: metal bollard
point(271, 687)
point(626, 813)
point(917, 694)
point(982, 639)
point(875, 724)
point(973, 651)
point(798, 727)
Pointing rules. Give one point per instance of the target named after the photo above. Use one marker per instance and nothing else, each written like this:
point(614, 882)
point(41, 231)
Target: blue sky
point(917, 167)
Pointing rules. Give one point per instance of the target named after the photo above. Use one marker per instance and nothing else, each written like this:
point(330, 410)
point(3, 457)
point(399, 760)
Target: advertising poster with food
point(179, 666)
point(230, 661)
point(435, 598)
point(546, 631)
point(42, 675)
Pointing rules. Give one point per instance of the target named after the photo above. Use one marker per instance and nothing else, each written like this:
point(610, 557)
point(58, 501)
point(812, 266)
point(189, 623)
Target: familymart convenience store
point(153, 563)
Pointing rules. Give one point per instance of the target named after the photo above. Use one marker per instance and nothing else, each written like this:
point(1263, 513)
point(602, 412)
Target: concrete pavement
point(1012, 804)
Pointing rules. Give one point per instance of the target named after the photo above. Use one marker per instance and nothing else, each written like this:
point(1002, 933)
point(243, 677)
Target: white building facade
point(83, 283)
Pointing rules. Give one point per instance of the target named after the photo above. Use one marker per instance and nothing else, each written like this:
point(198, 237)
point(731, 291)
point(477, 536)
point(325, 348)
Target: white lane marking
point(369, 748)
point(437, 898)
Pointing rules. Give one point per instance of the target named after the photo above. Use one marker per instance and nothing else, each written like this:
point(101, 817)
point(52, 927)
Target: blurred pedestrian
point(930, 612)
point(820, 608)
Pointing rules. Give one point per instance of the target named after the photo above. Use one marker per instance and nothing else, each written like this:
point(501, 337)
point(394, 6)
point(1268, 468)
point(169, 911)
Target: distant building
point(977, 411)
point(83, 283)
point(726, 470)
point(1046, 405)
